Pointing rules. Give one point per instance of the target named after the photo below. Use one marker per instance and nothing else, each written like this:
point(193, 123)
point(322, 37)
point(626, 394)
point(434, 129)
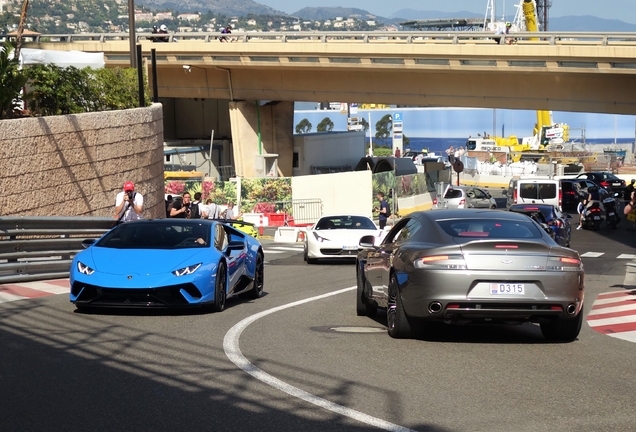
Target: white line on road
point(287, 248)
point(626, 256)
point(233, 352)
point(592, 254)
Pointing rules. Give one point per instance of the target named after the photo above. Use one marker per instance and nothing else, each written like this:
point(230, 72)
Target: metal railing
point(38, 248)
point(365, 37)
point(303, 211)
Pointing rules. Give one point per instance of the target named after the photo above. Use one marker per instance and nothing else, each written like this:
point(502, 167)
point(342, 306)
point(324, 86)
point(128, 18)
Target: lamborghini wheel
point(219, 289)
point(259, 278)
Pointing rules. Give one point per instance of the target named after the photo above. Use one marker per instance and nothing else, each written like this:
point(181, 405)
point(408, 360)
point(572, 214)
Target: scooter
point(593, 216)
point(611, 212)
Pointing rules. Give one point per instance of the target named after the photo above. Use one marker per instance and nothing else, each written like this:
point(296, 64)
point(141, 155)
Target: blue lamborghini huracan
point(167, 263)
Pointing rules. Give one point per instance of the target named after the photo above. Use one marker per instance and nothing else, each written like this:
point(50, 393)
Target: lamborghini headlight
point(84, 269)
point(187, 270)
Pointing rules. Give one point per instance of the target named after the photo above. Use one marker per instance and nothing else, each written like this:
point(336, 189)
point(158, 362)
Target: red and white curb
point(30, 290)
point(614, 314)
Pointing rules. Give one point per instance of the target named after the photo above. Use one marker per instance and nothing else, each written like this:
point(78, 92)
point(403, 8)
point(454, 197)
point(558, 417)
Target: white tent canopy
point(78, 59)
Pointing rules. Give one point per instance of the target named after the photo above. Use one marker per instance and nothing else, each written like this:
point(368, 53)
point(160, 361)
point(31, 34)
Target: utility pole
point(131, 33)
point(542, 13)
point(18, 35)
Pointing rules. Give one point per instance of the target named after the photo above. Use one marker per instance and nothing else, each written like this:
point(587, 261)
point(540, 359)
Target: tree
point(303, 126)
point(383, 127)
point(59, 91)
point(365, 124)
point(325, 125)
point(12, 79)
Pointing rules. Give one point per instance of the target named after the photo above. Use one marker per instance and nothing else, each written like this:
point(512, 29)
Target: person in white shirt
point(129, 205)
point(210, 210)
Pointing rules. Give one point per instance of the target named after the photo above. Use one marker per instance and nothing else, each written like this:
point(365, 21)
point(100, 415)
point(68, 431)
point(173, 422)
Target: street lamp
point(131, 33)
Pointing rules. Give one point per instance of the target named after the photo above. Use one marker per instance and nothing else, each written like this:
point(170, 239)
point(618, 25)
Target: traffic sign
point(397, 117)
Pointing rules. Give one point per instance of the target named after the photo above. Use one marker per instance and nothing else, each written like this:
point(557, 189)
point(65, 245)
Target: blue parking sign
point(397, 117)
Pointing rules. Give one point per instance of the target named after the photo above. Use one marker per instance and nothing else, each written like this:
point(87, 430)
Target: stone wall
point(75, 164)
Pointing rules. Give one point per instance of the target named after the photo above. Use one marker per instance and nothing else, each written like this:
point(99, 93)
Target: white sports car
point(337, 237)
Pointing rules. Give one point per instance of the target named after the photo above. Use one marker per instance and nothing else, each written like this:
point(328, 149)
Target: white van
point(534, 191)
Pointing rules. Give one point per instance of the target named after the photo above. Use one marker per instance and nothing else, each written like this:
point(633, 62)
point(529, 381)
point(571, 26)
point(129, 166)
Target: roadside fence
point(38, 248)
point(297, 212)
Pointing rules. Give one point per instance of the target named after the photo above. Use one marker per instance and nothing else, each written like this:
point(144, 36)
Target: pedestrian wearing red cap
point(129, 204)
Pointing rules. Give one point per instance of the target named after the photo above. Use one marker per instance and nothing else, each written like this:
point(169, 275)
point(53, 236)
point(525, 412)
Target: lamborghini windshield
point(167, 234)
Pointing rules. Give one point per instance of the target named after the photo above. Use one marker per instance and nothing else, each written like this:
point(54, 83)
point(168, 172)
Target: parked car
point(470, 266)
point(557, 221)
point(465, 197)
point(534, 191)
point(167, 263)
point(605, 180)
point(411, 154)
point(571, 192)
point(337, 237)
point(246, 227)
point(438, 159)
point(576, 189)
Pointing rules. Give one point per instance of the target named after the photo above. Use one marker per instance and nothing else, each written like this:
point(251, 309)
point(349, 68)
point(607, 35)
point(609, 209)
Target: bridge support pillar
point(273, 121)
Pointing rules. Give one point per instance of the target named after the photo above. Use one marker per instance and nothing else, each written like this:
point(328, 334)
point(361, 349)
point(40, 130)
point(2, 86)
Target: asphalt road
point(312, 366)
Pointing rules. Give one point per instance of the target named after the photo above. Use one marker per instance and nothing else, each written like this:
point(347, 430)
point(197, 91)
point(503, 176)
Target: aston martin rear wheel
point(363, 307)
point(219, 289)
point(563, 330)
point(259, 277)
point(397, 321)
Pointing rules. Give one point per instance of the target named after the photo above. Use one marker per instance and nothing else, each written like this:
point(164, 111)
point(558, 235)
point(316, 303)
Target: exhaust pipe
point(571, 309)
point(435, 307)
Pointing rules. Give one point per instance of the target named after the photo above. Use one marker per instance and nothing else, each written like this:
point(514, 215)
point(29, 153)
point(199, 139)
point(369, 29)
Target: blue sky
point(462, 122)
point(624, 10)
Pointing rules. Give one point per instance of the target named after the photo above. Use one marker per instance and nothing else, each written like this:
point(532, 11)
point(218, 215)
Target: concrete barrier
point(288, 234)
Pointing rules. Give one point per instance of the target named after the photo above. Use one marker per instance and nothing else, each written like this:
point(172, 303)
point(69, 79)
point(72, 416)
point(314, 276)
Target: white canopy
point(78, 59)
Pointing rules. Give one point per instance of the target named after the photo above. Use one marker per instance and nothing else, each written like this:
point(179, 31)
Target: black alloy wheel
point(219, 289)
point(363, 306)
point(259, 278)
point(397, 321)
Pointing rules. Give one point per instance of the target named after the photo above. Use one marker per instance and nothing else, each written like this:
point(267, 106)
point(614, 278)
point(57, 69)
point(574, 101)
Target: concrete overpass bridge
point(561, 71)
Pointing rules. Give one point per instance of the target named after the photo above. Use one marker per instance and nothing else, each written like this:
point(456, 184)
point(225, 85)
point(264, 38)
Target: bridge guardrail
point(37, 248)
point(368, 37)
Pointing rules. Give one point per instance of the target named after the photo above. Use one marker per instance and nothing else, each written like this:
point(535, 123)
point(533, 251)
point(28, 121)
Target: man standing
point(181, 207)
point(210, 210)
point(129, 204)
point(383, 210)
point(195, 207)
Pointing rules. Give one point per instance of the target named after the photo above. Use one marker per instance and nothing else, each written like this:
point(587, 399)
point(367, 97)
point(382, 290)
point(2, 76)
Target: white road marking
point(592, 254)
point(629, 336)
point(609, 321)
point(609, 300)
point(233, 352)
point(47, 287)
point(6, 297)
point(285, 248)
point(626, 256)
point(613, 309)
point(267, 251)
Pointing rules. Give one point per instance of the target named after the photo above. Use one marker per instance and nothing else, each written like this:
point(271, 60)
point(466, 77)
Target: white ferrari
point(337, 237)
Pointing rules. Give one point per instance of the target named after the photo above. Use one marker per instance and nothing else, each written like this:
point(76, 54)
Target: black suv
point(606, 180)
point(574, 189)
